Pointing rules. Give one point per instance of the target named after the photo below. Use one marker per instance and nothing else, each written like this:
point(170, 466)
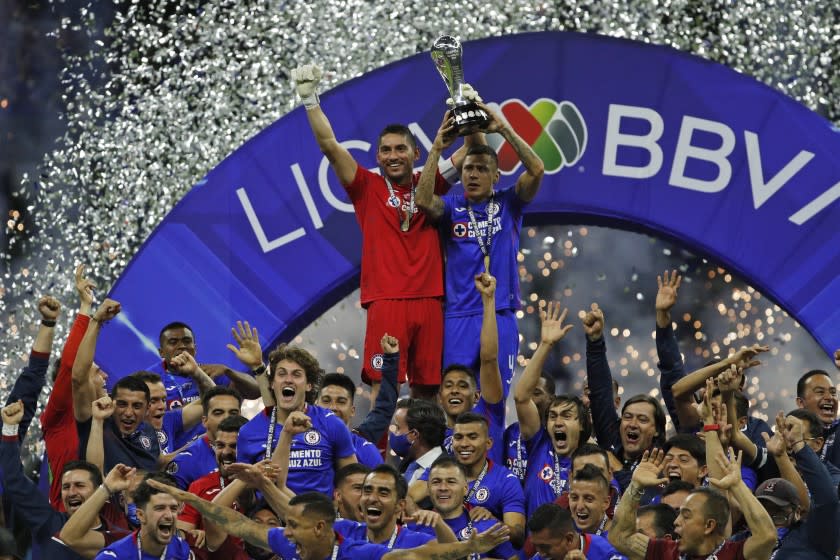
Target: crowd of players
point(165, 466)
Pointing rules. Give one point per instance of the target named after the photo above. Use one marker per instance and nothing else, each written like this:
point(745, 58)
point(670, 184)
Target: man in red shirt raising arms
point(402, 264)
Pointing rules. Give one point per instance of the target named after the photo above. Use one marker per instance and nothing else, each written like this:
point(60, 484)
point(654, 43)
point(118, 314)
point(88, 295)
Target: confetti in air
point(169, 89)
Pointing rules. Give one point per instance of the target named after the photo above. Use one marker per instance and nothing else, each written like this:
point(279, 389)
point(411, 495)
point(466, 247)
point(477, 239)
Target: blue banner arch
point(666, 143)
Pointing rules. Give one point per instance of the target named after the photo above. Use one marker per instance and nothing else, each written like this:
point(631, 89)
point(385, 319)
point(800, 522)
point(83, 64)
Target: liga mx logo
point(555, 131)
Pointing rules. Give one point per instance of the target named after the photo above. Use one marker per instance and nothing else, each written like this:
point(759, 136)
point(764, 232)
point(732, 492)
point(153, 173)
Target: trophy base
point(469, 118)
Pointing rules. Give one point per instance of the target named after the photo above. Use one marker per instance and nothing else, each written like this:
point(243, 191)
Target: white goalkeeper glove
point(306, 79)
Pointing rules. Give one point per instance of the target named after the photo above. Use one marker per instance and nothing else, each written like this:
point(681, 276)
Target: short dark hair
point(584, 419)
point(347, 471)
point(658, 415)
point(472, 417)
point(406, 402)
point(147, 377)
point(397, 129)
point(174, 325)
point(447, 461)
point(553, 517)
point(459, 367)
point(216, 391)
point(587, 449)
point(688, 442)
point(677, 485)
point(340, 380)
point(429, 420)
point(815, 425)
point(483, 150)
point(591, 473)
point(78, 465)
point(132, 383)
point(715, 508)
point(663, 518)
point(315, 504)
point(232, 424)
point(800, 385)
point(143, 493)
point(742, 404)
point(301, 357)
point(550, 384)
point(399, 482)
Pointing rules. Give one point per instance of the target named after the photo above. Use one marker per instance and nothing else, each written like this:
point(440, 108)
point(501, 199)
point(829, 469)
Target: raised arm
point(235, 523)
point(101, 409)
point(623, 535)
point(777, 446)
point(489, 374)
point(671, 366)
point(249, 351)
point(426, 199)
point(599, 378)
point(529, 181)
point(743, 358)
point(552, 331)
point(763, 532)
point(31, 381)
point(185, 364)
point(83, 391)
point(79, 533)
point(379, 418)
point(306, 80)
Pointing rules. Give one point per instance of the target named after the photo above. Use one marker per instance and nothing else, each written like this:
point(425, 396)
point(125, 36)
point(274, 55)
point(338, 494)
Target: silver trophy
point(446, 54)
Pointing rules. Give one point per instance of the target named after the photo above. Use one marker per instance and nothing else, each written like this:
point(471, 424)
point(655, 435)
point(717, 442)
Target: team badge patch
point(312, 437)
point(162, 439)
point(482, 495)
point(547, 473)
point(393, 201)
point(145, 442)
point(376, 362)
point(465, 533)
point(172, 467)
point(493, 208)
point(459, 229)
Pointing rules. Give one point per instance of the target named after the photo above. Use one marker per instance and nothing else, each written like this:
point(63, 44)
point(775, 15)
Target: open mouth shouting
point(166, 530)
point(561, 440)
point(828, 410)
point(373, 514)
point(582, 518)
point(74, 503)
point(633, 437)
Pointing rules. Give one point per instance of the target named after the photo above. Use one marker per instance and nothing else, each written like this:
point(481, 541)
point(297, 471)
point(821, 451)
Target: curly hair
point(302, 358)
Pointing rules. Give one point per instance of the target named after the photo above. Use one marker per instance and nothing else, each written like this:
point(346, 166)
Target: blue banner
point(634, 136)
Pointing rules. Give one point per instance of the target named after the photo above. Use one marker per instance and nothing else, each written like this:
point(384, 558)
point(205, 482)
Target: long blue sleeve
point(824, 517)
point(671, 368)
point(379, 418)
point(30, 504)
point(599, 378)
point(28, 387)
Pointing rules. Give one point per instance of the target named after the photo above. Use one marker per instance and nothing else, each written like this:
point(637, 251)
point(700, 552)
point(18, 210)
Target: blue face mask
point(399, 443)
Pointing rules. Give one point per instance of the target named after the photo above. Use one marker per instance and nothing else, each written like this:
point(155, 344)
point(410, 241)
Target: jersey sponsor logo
point(482, 494)
point(312, 437)
point(547, 473)
point(460, 229)
point(376, 361)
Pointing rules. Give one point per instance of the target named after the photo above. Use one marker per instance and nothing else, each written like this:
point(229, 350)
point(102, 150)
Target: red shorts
point(418, 325)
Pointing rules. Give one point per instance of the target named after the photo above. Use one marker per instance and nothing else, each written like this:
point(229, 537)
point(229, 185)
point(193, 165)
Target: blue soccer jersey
point(595, 548)
point(462, 526)
point(499, 492)
point(366, 452)
point(464, 258)
point(314, 453)
point(193, 462)
point(171, 431)
point(405, 538)
point(177, 549)
point(516, 455)
point(548, 474)
point(346, 549)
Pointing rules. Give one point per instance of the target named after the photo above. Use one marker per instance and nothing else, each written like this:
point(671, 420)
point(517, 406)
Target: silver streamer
point(172, 88)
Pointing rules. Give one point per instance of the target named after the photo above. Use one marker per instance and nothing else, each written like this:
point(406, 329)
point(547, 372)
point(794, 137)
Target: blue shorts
point(461, 343)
